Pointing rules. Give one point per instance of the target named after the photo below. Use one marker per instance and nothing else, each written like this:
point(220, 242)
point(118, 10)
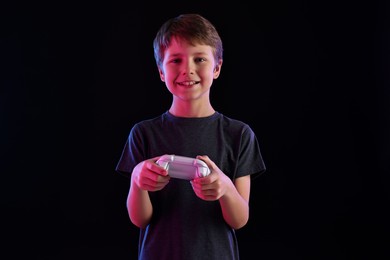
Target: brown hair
point(193, 28)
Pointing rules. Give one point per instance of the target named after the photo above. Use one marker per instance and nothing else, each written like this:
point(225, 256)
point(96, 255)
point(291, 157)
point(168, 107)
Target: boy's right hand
point(148, 175)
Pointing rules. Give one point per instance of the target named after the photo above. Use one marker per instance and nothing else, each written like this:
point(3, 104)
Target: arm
point(146, 176)
point(233, 197)
point(235, 203)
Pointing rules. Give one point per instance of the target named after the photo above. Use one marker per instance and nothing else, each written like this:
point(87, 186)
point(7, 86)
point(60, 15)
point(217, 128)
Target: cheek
point(170, 72)
point(206, 71)
point(168, 76)
point(211, 74)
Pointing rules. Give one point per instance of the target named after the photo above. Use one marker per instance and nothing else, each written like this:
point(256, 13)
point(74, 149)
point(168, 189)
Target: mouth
point(188, 83)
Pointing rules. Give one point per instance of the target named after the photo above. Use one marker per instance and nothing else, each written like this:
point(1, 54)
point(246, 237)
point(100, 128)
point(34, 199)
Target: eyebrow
point(195, 54)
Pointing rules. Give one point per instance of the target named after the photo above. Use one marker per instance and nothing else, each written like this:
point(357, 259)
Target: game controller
point(183, 167)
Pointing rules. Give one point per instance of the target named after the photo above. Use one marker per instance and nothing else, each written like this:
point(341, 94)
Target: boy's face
point(189, 70)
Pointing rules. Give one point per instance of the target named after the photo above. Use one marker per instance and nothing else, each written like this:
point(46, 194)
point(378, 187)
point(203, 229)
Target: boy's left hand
point(213, 186)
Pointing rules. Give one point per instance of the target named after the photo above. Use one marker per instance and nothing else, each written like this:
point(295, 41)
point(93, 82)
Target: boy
point(196, 219)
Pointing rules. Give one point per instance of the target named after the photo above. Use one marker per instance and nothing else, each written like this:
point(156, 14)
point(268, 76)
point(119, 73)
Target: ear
point(217, 69)
point(160, 71)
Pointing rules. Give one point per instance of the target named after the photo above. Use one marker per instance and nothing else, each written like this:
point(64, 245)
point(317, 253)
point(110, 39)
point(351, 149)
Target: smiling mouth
point(187, 83)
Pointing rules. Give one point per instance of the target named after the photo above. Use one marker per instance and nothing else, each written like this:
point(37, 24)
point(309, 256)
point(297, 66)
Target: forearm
point(139, 206)
point(235, 209)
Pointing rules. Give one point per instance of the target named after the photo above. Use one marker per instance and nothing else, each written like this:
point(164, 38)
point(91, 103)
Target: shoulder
point(146, 127)
point(233, 123)
point(149, 121)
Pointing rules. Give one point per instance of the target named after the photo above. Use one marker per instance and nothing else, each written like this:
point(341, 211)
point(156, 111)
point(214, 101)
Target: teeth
point(188, 83)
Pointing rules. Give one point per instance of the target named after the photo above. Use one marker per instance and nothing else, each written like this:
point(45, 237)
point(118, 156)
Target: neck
point(191, 111)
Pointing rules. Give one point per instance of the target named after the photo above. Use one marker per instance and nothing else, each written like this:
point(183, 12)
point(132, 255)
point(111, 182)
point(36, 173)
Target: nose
point(188, 67)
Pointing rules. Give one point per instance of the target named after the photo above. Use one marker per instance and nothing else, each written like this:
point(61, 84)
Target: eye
point(175, 61)
point(200, 60)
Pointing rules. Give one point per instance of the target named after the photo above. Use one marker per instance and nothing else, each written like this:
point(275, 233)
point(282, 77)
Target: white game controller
point(183, 167)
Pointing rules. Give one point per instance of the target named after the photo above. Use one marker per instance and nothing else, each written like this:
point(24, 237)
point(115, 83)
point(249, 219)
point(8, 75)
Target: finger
point(204, 158)
point(155, 182)
point(154, 167)
point(207, 160)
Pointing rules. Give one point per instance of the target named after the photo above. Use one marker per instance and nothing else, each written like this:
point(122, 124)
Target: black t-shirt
point(184, 226)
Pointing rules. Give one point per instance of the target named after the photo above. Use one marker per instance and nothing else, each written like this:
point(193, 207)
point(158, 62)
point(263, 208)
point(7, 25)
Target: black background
point(310, 77)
